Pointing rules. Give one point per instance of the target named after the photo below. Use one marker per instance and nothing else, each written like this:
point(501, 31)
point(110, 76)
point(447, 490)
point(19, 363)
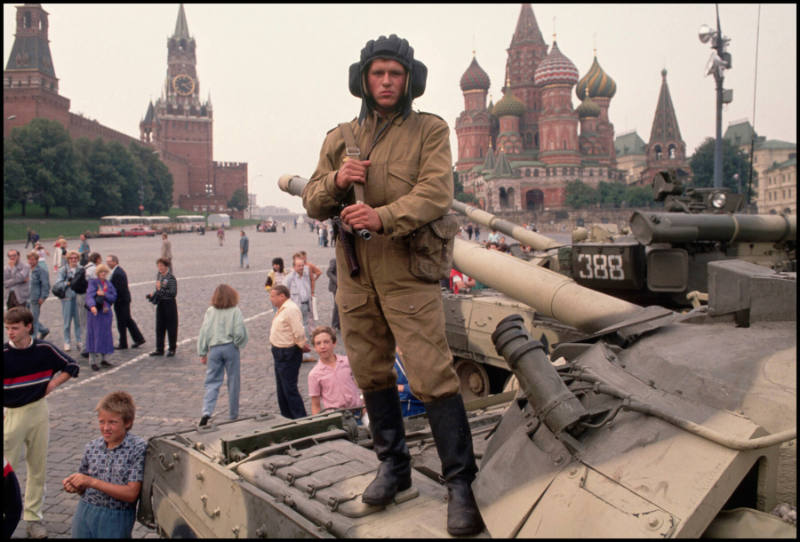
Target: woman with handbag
point(100, 296)
point(166, 308)
point(70, 301)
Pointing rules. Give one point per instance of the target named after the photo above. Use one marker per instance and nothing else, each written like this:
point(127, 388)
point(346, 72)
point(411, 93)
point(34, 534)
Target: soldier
point(405, 169)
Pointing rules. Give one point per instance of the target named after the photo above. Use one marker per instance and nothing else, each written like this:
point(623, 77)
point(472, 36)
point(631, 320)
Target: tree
point(238, 200)
point(41, 164)
point(639, 196)
point(579, 195)
point(734, 161)
point(610, 194)
point(157, 182)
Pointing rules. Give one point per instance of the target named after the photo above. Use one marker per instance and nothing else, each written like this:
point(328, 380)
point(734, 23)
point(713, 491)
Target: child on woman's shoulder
point(110, 476)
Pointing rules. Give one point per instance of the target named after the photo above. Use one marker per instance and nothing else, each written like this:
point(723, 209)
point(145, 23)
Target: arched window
point(672, 152)
point(535, 172)
point(658, 152)
point(26, 19)
point(536, 139)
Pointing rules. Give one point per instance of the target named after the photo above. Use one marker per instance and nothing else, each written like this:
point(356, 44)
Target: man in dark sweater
point(32, 368)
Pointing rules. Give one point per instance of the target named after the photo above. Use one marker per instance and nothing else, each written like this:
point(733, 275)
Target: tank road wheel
point(472, 379)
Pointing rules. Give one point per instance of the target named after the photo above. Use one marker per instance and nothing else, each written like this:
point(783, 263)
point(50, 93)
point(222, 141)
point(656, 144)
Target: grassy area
point(242, 222)
point(16, 229)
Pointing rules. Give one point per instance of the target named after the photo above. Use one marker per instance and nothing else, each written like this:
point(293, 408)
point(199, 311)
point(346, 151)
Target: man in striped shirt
point(32, 368)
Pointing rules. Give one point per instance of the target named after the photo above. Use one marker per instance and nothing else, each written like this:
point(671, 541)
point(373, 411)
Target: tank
point(663, 257)
point(651, 424)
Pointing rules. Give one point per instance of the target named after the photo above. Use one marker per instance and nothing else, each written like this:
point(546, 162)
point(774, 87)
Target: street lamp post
point(719, 62)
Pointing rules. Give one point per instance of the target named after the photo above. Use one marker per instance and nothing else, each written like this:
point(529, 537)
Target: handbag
point(13, 301)
point(60, 289)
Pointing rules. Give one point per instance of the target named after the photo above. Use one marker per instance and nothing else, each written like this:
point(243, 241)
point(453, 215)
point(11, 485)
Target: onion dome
point(474, 77)
point(596, 83)
point(509, 105)
point(588, 108)
point(555, 68)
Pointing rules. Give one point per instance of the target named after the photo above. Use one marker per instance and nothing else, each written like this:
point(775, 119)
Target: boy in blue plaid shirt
point(111, 473)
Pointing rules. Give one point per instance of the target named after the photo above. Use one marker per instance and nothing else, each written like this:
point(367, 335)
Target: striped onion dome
point(508, 105)
point(555, 68)
point(474, 77)
point(588, 108)
point(596, 83)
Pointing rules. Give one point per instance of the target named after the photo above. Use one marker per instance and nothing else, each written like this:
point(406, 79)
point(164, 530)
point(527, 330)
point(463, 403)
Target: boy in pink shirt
point(330, 382)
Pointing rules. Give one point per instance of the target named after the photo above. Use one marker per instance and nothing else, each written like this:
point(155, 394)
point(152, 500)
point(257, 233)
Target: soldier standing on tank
point(405, 168)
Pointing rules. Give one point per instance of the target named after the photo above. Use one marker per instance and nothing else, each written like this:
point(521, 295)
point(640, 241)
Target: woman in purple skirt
point(100, 296)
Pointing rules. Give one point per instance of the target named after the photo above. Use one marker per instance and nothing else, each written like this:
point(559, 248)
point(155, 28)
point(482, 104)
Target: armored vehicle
point(651, 424)
point(665, 256)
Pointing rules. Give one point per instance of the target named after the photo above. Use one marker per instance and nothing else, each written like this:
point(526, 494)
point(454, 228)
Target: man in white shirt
point(288, 340)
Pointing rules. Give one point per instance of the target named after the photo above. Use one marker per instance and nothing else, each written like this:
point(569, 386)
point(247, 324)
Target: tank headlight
point(718, 200)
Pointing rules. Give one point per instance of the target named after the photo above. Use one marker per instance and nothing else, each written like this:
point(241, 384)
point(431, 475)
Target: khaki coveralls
point(409, 183)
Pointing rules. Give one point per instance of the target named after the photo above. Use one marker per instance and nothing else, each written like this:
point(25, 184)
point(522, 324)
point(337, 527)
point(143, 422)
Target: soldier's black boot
point(453, 438)
point(389, 441)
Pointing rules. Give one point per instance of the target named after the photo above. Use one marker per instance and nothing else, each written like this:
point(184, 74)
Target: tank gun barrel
point(526, 237)
point(548, 292)
point(653, 227)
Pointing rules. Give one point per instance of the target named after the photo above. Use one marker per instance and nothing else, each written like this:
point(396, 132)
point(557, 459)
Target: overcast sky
point(277, 74)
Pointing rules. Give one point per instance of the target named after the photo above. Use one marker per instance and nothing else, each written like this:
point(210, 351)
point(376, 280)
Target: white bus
point(189, 222)
point(159, 223)
point(114, 225)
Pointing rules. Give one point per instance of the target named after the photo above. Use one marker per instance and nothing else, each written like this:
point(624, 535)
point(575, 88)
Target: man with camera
point(405, 169)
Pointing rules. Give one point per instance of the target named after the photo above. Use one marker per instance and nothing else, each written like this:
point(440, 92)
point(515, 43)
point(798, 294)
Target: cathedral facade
point(520, 153)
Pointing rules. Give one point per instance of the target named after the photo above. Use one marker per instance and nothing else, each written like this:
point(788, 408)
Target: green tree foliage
point(39, 165)
point(580, 195)
point(734, 160)
point(42, 165)
point(238, 200)
point(458, 190)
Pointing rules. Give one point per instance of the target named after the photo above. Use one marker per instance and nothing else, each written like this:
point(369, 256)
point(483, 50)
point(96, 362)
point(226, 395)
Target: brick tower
point(179, 125)
point(473, 125)
point(30, 86)
point(666, 149)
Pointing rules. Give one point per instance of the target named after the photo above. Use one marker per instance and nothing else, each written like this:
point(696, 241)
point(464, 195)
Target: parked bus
point(115, 225)
point(189, 222)
point(218, 220)
point(159, 223)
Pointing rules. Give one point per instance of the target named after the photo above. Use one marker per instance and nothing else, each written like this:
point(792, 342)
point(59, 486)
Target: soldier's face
point(386, 82)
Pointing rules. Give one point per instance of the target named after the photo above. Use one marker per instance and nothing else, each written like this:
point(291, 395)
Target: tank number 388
point(601, 267)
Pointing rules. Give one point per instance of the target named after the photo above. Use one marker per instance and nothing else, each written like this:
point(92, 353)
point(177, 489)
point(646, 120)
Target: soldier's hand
point(352, 171)
point(362, 216)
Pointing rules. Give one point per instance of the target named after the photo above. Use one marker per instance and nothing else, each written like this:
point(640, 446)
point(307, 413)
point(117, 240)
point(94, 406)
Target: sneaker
point(66, 347)
point(105, 363)
point(36, 529)
point(204, 420)
point(95, 367)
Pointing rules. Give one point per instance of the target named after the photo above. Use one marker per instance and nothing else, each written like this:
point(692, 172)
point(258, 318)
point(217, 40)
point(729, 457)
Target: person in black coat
point(122, 306)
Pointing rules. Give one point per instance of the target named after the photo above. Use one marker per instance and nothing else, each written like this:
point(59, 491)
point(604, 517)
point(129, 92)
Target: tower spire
point(665, 123)
point(527, 28)
point(181, 26)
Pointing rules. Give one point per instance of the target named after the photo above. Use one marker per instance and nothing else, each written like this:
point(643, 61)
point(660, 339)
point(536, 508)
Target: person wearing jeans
point(70, 309)
point(222, 335)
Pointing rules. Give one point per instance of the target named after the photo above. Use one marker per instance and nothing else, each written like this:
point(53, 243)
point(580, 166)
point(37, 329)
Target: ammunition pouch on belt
point(431, 249)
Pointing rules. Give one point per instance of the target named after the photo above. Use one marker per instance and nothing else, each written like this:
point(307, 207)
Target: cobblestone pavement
point(169, 391)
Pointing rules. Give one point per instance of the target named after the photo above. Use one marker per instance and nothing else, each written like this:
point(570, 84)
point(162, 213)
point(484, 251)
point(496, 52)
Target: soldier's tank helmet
point(391, 48)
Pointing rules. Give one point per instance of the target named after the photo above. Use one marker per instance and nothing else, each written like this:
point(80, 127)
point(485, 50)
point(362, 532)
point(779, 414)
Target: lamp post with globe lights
point(719, 61)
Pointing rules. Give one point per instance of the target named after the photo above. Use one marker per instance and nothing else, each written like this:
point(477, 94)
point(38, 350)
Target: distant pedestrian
point(324, 234)
point(43, 254)
point(17, 280)
point(29, 238)
point(59, 251)
point(332, 285)
point(244, 247)
point(31, 370)
point(83, 250)
point(221, 235)
point(110, 477)
point(276, 276)
point(469, 231)
point(477, 232)
point(70, 307)
point(100, 297)
point(35, 237)
point(222, 336)
point(40, 289)
point(122, 306)
point(288, 341)
point(166, 251)
point(163, 297)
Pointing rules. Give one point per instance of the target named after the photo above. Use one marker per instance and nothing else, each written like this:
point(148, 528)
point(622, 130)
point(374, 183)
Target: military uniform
point(409, 183)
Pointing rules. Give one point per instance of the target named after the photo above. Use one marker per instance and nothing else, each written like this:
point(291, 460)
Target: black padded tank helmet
point(391, 48)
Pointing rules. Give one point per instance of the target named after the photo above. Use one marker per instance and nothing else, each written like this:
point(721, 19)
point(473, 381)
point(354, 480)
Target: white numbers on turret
point(601, 267)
